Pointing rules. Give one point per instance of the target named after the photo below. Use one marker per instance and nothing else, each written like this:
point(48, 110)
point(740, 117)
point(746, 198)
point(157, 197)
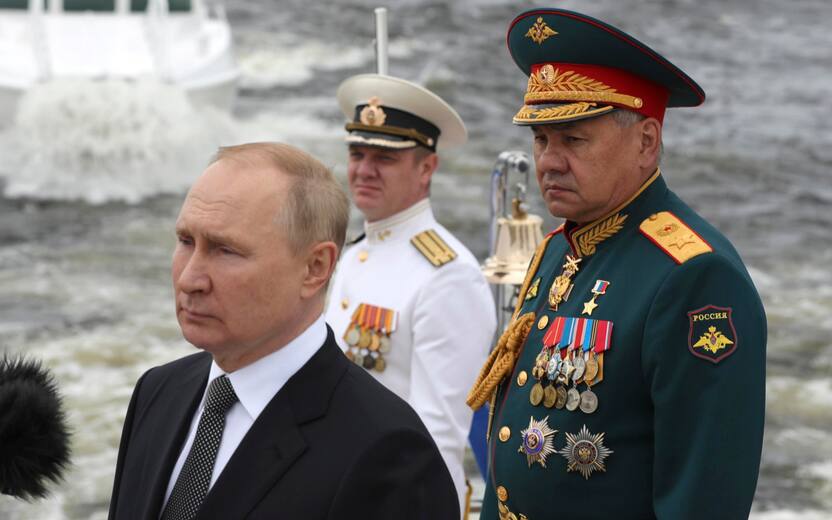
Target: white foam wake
point(107, 140)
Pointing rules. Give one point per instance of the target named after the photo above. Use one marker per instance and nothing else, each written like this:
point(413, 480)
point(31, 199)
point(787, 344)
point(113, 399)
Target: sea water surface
point(88, 195)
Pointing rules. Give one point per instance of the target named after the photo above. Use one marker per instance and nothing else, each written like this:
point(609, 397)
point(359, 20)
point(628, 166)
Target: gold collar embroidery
point(585, 239)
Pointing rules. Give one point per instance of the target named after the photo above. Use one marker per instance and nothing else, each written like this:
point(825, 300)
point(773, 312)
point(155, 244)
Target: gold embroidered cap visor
point(389, 112)
point(580, 67)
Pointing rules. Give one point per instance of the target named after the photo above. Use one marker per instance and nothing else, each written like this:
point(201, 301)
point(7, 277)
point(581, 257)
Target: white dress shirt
point(446, 322)
point(255, 385)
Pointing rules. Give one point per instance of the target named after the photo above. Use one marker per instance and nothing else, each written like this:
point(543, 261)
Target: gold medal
point(560, 402)
point(562, 286)
point(380, 364)
point(374, 342)
point(536, 395)
point(599, 289)
point(364, 339)
point(591, 369)
point(550, 396)
point(358, 358)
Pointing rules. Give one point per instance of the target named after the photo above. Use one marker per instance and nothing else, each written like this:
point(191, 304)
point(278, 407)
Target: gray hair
point(315, 209)
point(627, 118)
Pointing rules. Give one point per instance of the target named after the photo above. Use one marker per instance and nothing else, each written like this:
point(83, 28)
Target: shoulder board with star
point(433, 248)
point(674, 237)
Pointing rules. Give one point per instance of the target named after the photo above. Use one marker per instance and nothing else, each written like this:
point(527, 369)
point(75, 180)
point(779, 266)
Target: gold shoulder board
point(674, 237)
point(433, 248)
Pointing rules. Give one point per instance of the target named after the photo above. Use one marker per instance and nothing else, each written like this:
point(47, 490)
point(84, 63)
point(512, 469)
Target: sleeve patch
point(712, 334)
point(433, 248)
point(674, 237)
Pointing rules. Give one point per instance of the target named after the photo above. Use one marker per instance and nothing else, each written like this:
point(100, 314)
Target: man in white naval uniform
point(408, 301)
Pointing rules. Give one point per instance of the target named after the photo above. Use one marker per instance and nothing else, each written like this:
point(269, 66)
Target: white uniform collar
point(403, 224)
point(256, 384)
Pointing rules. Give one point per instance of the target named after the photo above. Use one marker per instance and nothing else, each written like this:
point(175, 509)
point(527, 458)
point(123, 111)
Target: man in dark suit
point(271, 421)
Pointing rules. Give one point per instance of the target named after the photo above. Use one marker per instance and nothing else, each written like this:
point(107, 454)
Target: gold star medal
point(562, 286)
point(599, 289)
point(585, 452)
point(538, 441)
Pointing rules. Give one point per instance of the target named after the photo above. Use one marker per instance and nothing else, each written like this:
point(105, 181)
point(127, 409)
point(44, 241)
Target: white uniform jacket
point(445, 321)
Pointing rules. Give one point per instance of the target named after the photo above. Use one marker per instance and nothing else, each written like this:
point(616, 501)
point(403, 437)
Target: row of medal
point(368, 336)
point(555, 376)
point(572, 353)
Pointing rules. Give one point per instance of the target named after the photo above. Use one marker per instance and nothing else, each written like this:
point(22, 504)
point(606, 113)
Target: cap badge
point(373, 114)
point(550, 79)
point(540, 32)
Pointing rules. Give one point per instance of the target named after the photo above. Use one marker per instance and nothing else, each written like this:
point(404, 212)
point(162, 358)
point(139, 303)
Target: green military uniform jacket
point(678, 427)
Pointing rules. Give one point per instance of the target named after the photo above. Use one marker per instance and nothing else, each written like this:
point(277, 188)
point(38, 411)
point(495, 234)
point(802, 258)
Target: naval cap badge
point(373, 114)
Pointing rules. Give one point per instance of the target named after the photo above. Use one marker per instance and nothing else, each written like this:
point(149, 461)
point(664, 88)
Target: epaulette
point(674, 237)
point(356, 240)
point(433, 248)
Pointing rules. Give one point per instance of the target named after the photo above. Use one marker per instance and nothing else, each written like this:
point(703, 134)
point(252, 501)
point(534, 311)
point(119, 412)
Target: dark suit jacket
point(332, 444)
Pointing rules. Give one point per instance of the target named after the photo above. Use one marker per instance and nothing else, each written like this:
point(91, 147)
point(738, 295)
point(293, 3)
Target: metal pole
point(381, 39)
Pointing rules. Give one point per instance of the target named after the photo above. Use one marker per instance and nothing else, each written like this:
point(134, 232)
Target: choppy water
point(90, 198)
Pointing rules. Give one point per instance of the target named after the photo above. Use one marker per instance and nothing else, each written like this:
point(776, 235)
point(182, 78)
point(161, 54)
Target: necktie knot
point(220, 396)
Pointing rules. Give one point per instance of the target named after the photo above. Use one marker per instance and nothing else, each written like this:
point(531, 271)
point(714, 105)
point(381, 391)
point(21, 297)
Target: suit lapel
point(267, 451)
point(275, 440)
point(169, 427)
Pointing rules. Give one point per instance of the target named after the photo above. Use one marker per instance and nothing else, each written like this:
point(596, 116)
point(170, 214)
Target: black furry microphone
point(34, 441)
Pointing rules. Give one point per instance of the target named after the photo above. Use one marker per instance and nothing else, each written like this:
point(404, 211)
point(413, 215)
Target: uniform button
point(345, 303)
point(362, 256)
point(505, 433)
point(653, 216)
point(522, 377)
point(542, 322)
point(502, 493)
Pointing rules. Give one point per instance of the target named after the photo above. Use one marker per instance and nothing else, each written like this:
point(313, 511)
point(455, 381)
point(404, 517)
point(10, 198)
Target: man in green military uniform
point(630, 383)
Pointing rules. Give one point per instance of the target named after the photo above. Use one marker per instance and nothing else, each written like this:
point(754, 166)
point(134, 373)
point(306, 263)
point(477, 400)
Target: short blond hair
point(316, 209)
